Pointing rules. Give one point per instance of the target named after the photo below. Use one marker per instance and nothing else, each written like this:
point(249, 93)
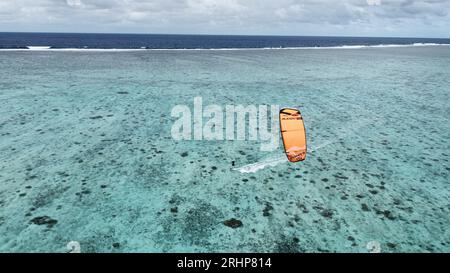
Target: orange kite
point(293, 133)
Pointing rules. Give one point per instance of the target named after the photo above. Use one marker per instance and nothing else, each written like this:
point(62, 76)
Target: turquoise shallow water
point(85, 141)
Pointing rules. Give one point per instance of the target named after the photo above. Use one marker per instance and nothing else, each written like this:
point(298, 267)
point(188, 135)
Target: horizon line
point(207, 34)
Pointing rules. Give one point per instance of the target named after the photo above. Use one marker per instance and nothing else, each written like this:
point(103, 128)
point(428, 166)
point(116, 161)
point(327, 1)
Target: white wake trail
point(274, 161)
point(269, 162)
point(280, 159)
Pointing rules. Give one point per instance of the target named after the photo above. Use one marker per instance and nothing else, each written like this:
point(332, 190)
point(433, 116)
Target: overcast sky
point(423, 18)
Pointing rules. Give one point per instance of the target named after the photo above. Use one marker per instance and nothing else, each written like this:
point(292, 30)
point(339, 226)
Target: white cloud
point(74, 3)
point(296, 17)
point(374, 2)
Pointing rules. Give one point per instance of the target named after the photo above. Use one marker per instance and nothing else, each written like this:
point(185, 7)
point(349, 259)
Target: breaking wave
point(86, 49)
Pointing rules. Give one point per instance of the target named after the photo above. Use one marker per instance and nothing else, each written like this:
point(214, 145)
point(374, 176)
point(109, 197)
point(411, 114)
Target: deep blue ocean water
point(163, 41)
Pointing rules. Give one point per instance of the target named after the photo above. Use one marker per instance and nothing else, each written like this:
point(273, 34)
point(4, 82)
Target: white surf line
point(276, 160)
point(47, 48)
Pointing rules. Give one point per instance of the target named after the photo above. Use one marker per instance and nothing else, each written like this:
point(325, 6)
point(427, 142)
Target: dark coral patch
point(44, 220)
point(327, 213)
point(233, 223)
point(267, 210)
point(364, 207)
